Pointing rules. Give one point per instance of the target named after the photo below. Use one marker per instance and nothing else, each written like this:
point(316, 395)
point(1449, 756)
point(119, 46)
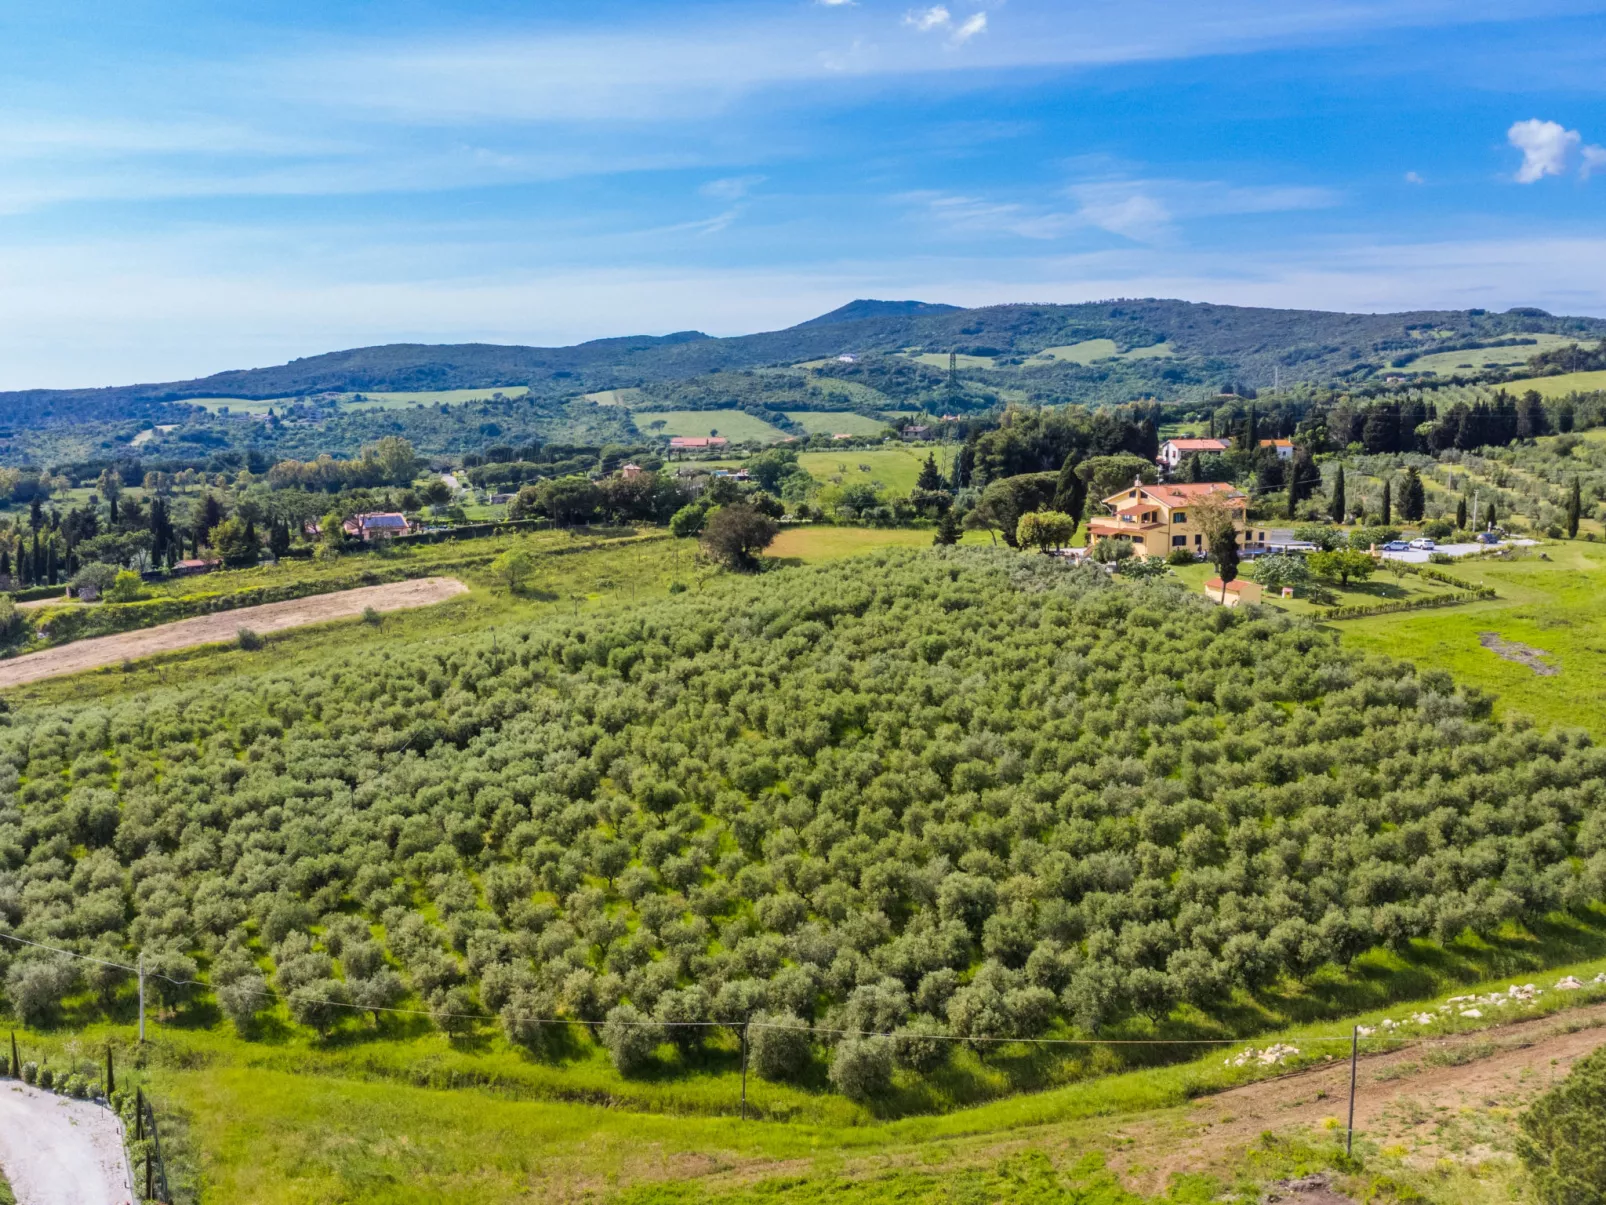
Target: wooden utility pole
point(142, 995)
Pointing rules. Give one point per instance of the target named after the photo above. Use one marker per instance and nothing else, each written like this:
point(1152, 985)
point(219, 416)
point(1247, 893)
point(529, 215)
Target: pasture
point(735, 425)
point(362, 401)
point(1449, 363)
point(836, 422)
point(895, 468)
point(1560, 386)
point(1090, 350)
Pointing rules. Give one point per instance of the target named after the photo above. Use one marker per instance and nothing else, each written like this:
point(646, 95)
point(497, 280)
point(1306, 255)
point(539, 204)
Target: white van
point(1423, 544)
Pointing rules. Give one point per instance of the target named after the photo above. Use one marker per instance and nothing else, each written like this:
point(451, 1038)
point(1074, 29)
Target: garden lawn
point(735, 425)
point(1383, 587)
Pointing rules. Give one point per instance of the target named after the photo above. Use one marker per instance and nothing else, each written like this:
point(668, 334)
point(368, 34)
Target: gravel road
point(59, 1151)
point(210, 629)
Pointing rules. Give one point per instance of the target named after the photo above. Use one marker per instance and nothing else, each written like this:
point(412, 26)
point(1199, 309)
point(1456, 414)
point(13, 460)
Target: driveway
point(60, 1151)
point(1417, 556)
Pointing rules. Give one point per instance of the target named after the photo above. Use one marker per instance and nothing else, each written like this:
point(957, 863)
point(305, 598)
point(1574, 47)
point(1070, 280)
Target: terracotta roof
point(1276, 443)
point(1200, 444)
point(1179, 492)
point(1235, 586)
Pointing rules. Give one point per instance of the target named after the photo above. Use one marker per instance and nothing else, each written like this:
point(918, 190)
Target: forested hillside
point(1208, 345)
point(959, 792)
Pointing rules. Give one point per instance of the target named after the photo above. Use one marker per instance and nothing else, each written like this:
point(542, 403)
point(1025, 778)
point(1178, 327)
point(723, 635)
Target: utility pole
point(1354, 1059)
point(744, 1070)
point(1474, 510)
point(142, 995)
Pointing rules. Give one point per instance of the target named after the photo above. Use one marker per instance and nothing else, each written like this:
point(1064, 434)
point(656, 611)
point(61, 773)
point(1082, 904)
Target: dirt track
point(57, 1151)
point(1434, 1100)
point(210, 629)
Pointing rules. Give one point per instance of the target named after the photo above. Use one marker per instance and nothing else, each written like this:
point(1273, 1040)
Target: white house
point(1172, 451)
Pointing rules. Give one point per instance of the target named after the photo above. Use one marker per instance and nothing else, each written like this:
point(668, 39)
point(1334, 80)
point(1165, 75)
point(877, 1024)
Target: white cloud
point(927, 19)
point(731, 188)
point(1546, 147)
point(970, 28)
point(1414, 178)
point(1594, 160)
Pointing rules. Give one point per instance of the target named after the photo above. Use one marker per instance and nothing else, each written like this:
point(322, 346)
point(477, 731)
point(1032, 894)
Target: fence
point(155, 1168)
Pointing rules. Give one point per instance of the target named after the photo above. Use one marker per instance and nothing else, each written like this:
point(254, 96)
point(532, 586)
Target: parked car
point(1424, 544)
point(1488, 537)
point(1396, 546)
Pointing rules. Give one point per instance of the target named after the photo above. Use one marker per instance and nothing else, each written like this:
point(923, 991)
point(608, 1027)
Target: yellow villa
point(1156, 518)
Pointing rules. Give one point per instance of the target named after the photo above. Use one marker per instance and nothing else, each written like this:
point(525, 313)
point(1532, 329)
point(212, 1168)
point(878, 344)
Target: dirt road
point(210, 629)
point(1434, 1100)
point(58, 1151)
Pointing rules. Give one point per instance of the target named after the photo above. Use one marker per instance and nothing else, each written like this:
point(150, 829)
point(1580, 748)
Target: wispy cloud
point(1414, 178)
point(969, 28)
point(1147, 211)
point(1594, 160)
point(928, 19)
point(731, 188)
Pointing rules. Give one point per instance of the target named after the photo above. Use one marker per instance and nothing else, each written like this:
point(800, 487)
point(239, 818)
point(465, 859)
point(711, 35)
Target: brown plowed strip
point(224, 625)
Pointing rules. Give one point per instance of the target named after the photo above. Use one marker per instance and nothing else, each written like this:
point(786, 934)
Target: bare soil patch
point(211, 629)
point(1522, 654)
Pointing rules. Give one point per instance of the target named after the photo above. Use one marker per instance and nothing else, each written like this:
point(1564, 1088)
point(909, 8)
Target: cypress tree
point(1336, 503)
point(1293, 488)
point(1413, 501)
point(947, 528)
point(1070, 491)
point(1575, 505)
point(1461, 513)
point(1387, 505)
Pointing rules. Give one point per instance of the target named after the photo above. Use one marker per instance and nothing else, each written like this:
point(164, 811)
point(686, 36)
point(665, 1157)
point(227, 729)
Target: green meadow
point(734, 425)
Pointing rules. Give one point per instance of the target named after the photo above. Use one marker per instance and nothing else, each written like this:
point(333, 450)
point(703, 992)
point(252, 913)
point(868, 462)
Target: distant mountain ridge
point(1207, 343)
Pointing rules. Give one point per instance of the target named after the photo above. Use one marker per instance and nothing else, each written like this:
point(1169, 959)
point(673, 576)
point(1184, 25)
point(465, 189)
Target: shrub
point(30, 1072)
point(1563, 1137)
point(76, 1086)
point(36, 987)
point(371, 617)
point(1179, 557)
point(862, 1067)
point(248, 640)
point(630, 1037)
point(127, 587)
point(922, 1045)
point(1112, 551)
point(47, 1078)
point(777, 1045)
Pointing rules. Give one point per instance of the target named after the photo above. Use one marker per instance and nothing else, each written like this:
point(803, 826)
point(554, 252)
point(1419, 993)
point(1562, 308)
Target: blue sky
point(187, 187)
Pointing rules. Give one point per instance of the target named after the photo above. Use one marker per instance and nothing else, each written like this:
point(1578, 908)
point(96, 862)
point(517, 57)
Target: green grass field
point(896, 468)
point(1550, 605)
point(1448, 363)
point(616, 397)
point(370, 401)
point(811, 545)
point(835, 422)
point(1089, 350)
point(937, 359)
point(735, 425)
point(1571, 382)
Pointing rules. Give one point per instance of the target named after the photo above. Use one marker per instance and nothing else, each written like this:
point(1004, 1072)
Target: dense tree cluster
point(954, 794)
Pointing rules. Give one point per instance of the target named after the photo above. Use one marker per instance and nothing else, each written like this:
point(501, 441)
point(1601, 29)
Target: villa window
point(1179, 516)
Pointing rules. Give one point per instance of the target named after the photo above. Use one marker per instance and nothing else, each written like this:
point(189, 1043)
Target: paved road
point(59, 1151)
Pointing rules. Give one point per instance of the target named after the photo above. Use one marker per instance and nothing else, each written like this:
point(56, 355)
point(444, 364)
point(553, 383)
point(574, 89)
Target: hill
point(1229, 341)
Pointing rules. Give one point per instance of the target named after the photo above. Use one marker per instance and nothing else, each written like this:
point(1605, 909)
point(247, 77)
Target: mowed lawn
point(735, 425)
